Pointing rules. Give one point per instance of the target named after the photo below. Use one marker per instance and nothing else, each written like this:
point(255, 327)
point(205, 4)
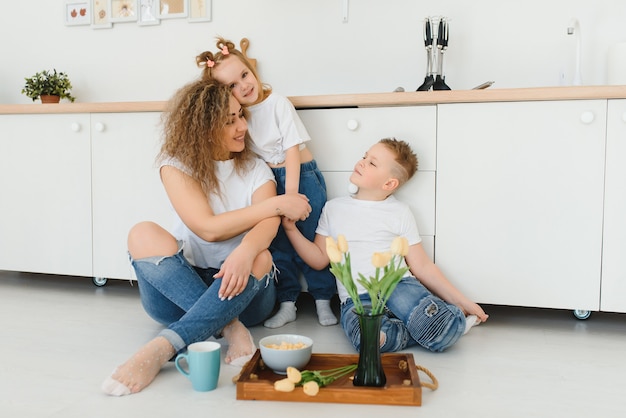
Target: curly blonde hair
point(193, 126)
point(405, 158)
point(219, 56)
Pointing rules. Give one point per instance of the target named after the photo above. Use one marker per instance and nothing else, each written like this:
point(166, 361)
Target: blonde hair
point(193, 126)
point(226, 50)
point(406, 160)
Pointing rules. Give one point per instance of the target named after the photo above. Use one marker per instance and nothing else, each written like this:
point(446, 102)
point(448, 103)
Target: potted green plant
point(48, 83)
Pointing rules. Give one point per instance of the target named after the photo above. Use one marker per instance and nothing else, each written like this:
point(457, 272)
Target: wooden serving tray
point(256, 382)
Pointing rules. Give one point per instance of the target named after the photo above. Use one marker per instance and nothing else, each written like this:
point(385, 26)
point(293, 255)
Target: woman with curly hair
point(212, 275)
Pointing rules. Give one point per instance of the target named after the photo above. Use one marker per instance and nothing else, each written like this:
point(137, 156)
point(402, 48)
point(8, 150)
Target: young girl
point(279, 137)
point(215, 266)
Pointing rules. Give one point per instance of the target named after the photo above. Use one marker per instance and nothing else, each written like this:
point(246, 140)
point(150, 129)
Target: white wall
point(303, 48)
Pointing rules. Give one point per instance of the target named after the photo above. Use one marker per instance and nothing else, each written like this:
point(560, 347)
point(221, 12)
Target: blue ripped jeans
point(413, 316)
point(185, 298)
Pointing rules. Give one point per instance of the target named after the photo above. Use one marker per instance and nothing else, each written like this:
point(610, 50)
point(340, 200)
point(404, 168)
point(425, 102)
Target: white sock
point(470, 321)
point(286, 313)
point(325, 314)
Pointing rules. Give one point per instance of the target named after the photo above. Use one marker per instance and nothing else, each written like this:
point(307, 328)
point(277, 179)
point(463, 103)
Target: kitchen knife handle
point(428, 35)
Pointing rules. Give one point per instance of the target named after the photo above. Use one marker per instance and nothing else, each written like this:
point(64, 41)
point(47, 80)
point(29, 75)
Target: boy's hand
point(293, 206)
point(288, 224)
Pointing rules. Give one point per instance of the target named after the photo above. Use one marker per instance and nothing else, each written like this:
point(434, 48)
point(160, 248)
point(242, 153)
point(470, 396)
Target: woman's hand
point(235, 272)
point(294, 206)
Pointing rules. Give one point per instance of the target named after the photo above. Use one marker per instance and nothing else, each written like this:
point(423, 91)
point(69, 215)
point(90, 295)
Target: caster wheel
point(99, 281)
point(582, 314)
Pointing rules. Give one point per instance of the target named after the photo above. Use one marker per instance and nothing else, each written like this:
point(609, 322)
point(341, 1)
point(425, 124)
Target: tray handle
point(435, 384)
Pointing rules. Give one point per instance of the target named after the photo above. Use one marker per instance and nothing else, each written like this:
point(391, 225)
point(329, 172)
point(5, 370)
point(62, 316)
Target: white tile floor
point(61, 336)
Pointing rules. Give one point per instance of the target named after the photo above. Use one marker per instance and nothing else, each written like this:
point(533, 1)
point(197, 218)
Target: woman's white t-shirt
point(236, 193)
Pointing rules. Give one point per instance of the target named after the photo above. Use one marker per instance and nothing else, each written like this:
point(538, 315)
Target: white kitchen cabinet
point(340, 137)
point(520, 201)
point(613, 296)
point(45, 194)
point(126, 186)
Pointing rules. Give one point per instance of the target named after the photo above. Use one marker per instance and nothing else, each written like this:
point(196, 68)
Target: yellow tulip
point(334, 254)
point(342, 243)
point(380, 260)
point(400, 246)
point(330, 242)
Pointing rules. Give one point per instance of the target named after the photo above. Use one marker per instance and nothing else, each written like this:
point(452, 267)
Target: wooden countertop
point(356, 100)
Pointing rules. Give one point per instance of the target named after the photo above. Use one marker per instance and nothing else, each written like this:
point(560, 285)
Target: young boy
point(425, 308)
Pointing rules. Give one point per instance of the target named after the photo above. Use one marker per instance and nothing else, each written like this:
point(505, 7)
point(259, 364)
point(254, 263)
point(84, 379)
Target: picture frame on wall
point(124, 10)
point(148, 12)
point(200, 10)
point(77, 13)
point(172, 9)
point(101, 10)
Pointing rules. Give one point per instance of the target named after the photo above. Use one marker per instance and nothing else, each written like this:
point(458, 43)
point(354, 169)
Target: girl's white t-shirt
point(274, 127)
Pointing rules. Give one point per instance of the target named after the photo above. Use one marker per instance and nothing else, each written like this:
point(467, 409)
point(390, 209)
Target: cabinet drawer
point(340, 137)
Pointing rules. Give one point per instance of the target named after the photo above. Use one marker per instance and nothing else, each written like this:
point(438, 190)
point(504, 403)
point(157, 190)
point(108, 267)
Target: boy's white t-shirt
point(237, 191)
point(274, 127)
point(369, 226)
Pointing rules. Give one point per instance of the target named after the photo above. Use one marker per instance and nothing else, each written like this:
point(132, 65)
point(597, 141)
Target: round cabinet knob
point(75, 127)
point(353, 125)
point(587, 117)
point(99, 126)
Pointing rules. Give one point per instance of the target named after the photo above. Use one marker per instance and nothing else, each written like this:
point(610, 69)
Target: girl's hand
point(235, 272)
point(294, 206)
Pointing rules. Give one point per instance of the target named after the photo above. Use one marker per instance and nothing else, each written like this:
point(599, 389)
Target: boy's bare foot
point(240, 343)
point(140, 370)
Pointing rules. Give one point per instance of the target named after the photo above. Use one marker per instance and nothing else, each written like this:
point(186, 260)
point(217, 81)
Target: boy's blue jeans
point(185, 298)
point(321, 284)
point(413, 316)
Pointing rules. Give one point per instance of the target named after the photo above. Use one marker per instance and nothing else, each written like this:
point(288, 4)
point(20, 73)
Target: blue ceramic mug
point(203, 365)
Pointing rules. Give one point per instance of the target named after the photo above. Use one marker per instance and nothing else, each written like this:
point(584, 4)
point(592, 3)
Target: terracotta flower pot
point(49, 99)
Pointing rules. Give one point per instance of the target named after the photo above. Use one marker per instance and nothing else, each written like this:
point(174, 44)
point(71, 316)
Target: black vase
point(370, 371)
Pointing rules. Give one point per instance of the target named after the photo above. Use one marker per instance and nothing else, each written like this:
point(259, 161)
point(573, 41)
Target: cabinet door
point(613, 296)
point(45, 186)
point(126, 186)
point(340, 137)
point(520, 201)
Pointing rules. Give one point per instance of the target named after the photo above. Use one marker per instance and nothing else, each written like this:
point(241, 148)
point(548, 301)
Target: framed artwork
point(124, 10)
point(148, 12)
point(200, 10)
point(171, 9)
point(77, 13)
point(101, 14)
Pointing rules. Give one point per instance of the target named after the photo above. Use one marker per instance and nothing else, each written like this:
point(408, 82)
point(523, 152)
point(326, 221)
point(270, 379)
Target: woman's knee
point(148, 239)
point(262, 264)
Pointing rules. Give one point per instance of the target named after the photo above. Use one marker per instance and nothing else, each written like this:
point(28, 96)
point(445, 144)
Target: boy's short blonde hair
point(405, 158)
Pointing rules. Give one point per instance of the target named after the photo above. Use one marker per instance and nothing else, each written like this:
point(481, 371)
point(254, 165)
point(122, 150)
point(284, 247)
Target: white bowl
point(279, 359)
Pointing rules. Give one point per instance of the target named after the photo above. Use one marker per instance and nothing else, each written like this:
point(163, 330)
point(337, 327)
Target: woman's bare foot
point(140, 370)
point(240, 343)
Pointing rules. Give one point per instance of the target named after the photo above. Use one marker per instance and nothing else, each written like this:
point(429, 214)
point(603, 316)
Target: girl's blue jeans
point(413, 316)
point(321, 284)
point(185, 298)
